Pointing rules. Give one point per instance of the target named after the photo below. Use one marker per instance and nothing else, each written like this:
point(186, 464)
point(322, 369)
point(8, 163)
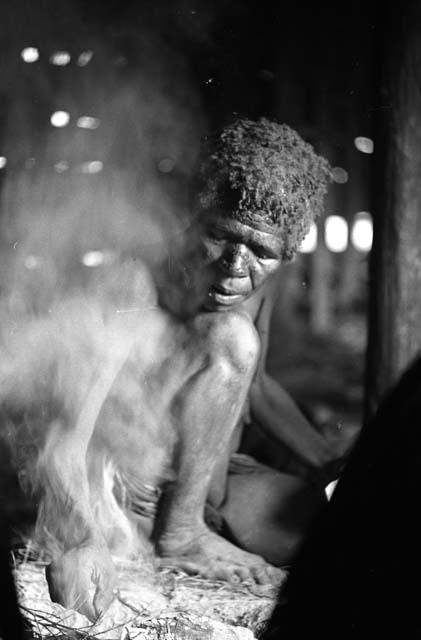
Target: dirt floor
point(156, 605)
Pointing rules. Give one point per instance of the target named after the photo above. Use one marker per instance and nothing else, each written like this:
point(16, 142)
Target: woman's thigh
point(267, 512)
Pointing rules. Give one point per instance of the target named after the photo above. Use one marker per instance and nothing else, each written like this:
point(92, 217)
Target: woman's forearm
point(281, 419)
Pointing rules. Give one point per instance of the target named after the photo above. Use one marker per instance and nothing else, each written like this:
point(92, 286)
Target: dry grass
point(166, 604)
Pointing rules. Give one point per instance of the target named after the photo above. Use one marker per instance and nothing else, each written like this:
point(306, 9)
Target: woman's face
point(241, 257)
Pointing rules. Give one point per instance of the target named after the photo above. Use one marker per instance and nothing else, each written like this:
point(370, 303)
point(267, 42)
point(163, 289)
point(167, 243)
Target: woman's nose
point(235, 261)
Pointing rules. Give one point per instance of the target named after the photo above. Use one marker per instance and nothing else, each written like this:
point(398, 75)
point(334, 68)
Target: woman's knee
point(230, 338)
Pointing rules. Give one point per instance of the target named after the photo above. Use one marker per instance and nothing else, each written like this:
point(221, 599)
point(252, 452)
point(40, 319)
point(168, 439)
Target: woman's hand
point(83, 579)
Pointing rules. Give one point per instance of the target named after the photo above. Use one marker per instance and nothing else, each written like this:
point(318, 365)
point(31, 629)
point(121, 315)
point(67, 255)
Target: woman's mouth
point(223, 296)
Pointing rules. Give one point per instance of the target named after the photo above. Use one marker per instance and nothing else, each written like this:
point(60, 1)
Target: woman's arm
point(280, 418)
point(274, 409)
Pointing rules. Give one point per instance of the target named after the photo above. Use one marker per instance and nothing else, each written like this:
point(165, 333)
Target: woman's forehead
point(250, 230)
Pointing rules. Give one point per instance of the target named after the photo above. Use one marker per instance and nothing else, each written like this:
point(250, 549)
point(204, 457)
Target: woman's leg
point(267, 512)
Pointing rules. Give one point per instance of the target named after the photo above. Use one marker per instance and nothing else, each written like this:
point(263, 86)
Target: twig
point(129, 605)
point(27, 551)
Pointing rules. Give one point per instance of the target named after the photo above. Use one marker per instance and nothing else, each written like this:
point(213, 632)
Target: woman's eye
point(264, 255)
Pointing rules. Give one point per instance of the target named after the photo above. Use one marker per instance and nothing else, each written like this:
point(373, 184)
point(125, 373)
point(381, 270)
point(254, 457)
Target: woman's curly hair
point(264, 171)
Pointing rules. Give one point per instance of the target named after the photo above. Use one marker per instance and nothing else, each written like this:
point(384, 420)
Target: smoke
point(88, 217)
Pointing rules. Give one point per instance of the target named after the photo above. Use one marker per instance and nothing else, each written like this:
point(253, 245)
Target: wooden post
point(395, 272)
point(321, 309)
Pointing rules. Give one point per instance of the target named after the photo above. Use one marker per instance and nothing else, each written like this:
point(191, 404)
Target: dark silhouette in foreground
point(357, 572)
point(11, 625)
